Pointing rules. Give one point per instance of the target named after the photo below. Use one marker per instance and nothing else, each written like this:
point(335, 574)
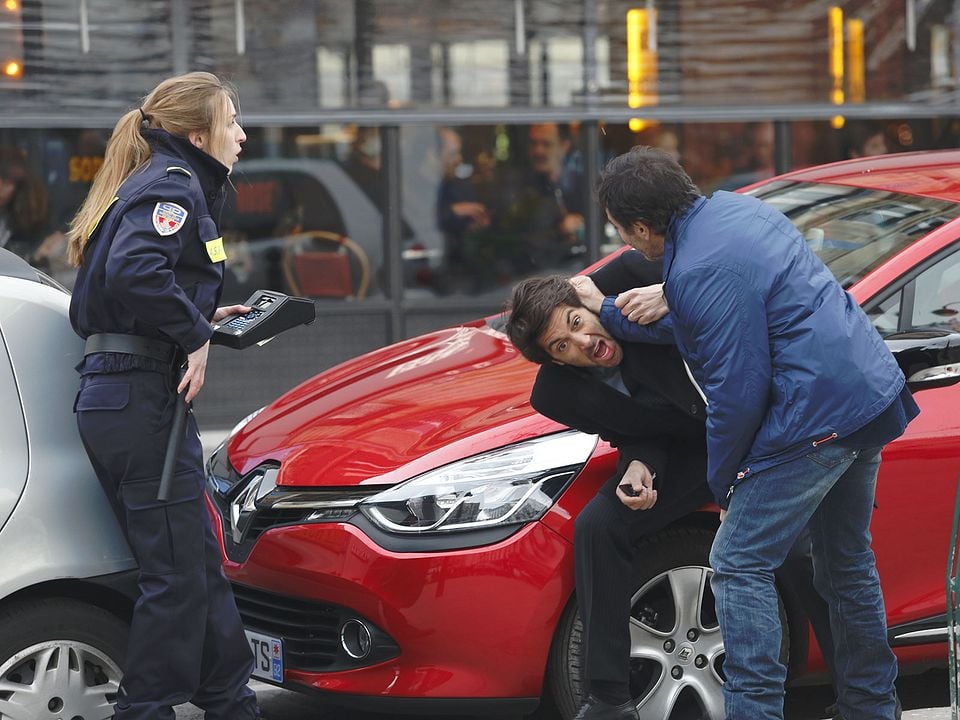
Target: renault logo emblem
point(243, 507)
point(685, 653)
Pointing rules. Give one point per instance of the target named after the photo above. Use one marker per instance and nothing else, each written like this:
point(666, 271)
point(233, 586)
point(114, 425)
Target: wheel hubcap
point(59, 679)
point(675, 646)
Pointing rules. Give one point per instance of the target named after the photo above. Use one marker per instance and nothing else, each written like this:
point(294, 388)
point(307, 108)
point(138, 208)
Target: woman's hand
point(229, 310)
point(197, 360)
point(196, 369)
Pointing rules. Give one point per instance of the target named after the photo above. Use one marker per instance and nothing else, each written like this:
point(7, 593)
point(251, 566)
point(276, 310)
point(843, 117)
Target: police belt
point(131, 345)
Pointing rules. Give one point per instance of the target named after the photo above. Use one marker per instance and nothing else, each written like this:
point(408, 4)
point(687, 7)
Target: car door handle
point(938, 374)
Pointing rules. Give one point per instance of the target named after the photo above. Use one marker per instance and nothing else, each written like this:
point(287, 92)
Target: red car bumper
point(455, 615)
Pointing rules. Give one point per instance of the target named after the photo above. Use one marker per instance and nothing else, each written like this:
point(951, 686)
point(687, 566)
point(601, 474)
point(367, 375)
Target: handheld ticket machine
point(271, 313)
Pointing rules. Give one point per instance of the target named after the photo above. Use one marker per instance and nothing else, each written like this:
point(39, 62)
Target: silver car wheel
point(59, 678)
point(675, 645)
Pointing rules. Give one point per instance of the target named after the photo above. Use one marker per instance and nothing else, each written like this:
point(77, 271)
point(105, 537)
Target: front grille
point(275, 517)
point(263, 520)
point(310, 630)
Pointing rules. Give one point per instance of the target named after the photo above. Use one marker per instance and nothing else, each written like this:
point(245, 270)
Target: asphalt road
point(924, 697)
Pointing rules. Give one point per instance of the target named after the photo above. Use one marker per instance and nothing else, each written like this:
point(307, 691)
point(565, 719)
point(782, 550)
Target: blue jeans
point(832, 489)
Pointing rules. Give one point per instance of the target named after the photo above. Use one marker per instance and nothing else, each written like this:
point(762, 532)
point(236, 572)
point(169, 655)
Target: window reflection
point(855, 230)
point(310, 224)
point(505, 203)
point(481, 206)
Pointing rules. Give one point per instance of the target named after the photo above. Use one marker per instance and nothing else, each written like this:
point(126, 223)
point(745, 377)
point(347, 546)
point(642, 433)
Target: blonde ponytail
point(126, 151)
point(180, 105)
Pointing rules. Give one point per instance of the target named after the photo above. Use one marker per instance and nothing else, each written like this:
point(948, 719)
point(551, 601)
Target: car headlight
point(510, 485)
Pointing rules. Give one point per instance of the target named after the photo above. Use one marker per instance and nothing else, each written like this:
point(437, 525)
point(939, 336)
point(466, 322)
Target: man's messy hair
point(529, 311)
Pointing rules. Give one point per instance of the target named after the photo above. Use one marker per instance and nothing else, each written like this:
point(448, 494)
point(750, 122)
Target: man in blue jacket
point(802, 394)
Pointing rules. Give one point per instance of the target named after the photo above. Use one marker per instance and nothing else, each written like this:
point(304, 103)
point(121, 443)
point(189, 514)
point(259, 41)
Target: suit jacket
point(662, 422)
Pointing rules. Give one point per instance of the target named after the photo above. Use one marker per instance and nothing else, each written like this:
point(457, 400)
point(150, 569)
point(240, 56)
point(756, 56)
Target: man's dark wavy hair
point(645, 185)
point(530, 308)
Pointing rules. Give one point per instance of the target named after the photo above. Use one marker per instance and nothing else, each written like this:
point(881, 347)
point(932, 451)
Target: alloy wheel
point(676, 650)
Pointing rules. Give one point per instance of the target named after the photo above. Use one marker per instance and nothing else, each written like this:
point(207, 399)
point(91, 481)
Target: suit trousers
point(186, 639)
point(605, 534)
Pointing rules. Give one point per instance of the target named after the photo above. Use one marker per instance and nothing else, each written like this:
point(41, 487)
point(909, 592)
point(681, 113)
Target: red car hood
point(397, 412)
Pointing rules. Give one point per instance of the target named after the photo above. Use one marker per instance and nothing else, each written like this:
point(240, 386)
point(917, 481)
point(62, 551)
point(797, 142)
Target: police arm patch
point(168, 217)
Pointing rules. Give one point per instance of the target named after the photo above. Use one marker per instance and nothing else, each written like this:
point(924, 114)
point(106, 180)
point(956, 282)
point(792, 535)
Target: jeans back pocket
point(830, 455)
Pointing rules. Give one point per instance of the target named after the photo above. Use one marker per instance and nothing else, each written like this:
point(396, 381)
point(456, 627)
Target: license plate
point(267, 656)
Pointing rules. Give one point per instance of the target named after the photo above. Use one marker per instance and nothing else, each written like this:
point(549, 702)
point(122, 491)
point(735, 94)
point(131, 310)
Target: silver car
point(67, 576)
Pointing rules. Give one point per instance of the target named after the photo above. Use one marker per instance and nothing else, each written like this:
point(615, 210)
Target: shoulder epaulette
point(179, 170)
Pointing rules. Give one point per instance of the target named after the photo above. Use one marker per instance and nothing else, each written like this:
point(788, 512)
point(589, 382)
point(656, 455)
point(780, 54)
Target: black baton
point(173, 442)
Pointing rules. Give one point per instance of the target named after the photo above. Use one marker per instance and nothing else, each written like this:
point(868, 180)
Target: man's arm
point(622, 328)
point(722, 320)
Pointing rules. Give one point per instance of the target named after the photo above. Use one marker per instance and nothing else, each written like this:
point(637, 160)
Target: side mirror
point(937, 376)
point(929, 359)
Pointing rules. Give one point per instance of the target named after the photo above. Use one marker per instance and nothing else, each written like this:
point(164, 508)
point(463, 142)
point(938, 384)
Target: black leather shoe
point(595, 709)
point(833, 711)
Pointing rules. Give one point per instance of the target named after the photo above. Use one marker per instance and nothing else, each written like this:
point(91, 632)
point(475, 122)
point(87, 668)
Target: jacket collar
point(210, 172)
point(675, 230)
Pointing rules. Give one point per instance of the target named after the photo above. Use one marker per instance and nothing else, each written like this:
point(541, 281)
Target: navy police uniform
point(153, 271)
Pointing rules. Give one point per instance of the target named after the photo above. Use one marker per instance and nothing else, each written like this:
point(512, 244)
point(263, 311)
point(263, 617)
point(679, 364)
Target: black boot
point(833, 711)
point(595, 709)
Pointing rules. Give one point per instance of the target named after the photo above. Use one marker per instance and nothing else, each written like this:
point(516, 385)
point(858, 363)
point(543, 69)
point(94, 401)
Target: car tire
point(686, 682)
point(84, 646)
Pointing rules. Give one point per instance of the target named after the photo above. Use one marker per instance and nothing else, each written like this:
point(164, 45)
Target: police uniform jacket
point(154, 263)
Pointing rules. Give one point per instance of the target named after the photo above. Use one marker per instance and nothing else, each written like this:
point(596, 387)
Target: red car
point(399, 528)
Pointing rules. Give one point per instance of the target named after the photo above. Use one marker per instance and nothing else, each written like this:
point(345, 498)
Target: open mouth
point(602, 350)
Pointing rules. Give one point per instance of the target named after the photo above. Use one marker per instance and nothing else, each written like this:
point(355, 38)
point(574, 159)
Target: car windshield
point(854, 230)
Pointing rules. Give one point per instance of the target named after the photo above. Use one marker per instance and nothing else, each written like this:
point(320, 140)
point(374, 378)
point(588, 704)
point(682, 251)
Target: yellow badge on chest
point(215, 250)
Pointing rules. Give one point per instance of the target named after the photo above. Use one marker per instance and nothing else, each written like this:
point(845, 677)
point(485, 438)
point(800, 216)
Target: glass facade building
point(409, 160)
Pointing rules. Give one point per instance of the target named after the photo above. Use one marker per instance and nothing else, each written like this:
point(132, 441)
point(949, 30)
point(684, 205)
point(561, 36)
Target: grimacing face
point(574, 336)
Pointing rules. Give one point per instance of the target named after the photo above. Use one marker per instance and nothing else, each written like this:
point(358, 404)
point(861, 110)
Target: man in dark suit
point(641, 399)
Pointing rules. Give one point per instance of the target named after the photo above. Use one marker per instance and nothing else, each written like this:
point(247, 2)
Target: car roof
point(931, 174)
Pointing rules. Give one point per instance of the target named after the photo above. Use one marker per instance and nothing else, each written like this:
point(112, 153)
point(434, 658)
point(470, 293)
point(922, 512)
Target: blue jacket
point(786, 358)
point(159, 283)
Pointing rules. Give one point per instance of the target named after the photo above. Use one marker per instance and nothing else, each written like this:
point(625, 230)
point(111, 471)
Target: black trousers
point(605, 534)
point(186, 639)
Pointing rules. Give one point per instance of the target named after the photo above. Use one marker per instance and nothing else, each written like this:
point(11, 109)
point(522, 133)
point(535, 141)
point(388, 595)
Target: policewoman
point(150, 261)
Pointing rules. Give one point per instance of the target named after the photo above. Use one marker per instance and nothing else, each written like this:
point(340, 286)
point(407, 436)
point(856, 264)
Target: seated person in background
point(545, 213)
point(23, 204)
point(640, 399)
point(864, 139)
point(459, 211)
